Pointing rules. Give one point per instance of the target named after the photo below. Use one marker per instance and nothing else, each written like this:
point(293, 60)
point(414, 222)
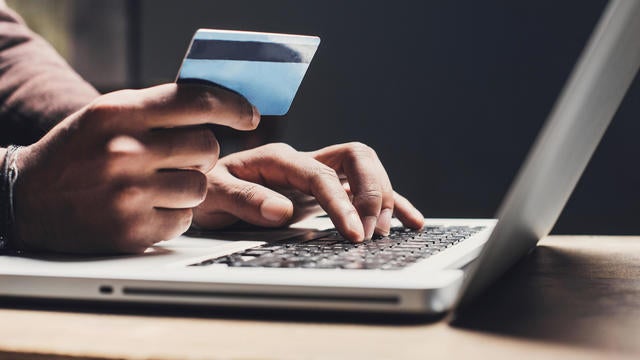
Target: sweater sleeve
point(37, 87)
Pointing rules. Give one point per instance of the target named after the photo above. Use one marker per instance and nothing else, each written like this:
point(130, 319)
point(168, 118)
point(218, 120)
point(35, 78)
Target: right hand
point(125, 171)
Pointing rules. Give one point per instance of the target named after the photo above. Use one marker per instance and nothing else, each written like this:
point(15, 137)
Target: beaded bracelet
point(8, 176)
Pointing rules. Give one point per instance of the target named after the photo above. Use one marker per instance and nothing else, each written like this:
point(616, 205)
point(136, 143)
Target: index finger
point(173, 105)
point(368, 180)
point(278, 165)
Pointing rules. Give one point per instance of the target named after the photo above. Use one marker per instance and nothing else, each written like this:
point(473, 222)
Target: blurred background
point(450, 93)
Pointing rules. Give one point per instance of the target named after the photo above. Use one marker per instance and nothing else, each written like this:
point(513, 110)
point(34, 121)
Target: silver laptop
point(309, 266)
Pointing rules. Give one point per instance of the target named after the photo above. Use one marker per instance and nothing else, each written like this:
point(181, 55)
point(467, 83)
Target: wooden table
point(575, 297)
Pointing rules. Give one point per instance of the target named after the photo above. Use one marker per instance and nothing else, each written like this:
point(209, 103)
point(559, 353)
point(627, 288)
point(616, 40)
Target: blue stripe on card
point(251, 51)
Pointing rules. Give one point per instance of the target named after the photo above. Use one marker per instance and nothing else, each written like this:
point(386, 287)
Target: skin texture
point(136, 167)
point(275, 185)
point(125, 171)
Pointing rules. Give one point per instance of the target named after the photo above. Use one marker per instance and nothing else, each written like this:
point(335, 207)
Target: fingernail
point(255, 120)
point(384, 222)
point(275, 209)
point(369, 223)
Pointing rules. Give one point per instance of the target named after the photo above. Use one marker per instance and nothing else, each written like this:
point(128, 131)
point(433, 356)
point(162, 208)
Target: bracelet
point(8, 177)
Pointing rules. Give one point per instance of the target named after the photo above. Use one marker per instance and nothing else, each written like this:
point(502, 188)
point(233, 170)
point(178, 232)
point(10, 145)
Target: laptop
point(309, 266)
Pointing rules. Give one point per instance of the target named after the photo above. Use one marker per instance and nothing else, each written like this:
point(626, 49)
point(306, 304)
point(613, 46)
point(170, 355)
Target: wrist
point(8, 175)
point(27, 219)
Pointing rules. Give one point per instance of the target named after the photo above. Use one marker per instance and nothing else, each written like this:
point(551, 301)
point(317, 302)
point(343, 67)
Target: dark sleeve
point(37, 87)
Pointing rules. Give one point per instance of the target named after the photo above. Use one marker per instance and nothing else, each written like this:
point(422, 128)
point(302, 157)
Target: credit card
point(265, 68)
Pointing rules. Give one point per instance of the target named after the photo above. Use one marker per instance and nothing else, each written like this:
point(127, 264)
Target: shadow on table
point(570, 297)
point(12, 355)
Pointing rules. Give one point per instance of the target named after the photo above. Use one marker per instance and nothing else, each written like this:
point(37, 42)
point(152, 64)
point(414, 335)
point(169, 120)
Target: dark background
point(450, 93)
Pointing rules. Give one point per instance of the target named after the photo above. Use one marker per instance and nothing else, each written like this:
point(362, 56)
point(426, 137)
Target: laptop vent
point(136, 291)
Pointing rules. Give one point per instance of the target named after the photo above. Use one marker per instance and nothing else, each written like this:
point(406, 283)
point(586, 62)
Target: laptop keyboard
point(400, 249)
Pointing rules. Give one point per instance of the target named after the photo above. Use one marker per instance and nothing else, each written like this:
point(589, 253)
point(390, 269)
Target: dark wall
point(450, 93)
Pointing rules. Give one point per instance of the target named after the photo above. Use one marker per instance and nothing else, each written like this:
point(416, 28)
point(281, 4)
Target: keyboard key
point(400, 249)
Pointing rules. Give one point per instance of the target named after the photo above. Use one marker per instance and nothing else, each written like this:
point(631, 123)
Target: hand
point(274, 185)
point(125, 171)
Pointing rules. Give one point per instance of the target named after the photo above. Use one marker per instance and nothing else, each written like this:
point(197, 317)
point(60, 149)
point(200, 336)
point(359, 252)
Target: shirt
point(38, 89)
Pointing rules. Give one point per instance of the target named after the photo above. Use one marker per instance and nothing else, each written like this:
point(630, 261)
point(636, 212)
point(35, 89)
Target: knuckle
point(358, 150)
point(208, 142)
point(271, 154)
point(105, 111)
point(116, 165)
point(197, 182)
point(118, 145)
point(107, 106)
point(243, 194)
point(278, 148)
point(368, 197)
point(126, 194)
point(205, 99)
point(322, 172)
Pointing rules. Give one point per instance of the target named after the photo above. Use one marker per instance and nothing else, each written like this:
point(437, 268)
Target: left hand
point(274, 185)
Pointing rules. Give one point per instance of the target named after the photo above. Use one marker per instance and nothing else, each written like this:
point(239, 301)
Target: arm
point(111, 173)
point(37, 87)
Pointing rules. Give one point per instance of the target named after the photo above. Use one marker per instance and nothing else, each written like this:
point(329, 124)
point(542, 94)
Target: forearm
point(37, 87)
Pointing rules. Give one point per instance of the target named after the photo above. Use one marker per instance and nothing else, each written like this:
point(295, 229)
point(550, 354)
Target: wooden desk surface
point(575, 297)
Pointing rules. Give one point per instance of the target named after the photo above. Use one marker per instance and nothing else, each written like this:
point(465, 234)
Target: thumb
point(244, 200)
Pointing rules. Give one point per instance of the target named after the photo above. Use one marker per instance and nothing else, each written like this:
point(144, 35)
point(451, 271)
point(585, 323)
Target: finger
point(172, 105)
point(167, 224)
point(403, 209)
point(407, 213)
point(369, 183)
point(177, 189)
point(244, 200)
point(305, 206)
point(278, 165)
point(185, 147)
point(149, 228)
